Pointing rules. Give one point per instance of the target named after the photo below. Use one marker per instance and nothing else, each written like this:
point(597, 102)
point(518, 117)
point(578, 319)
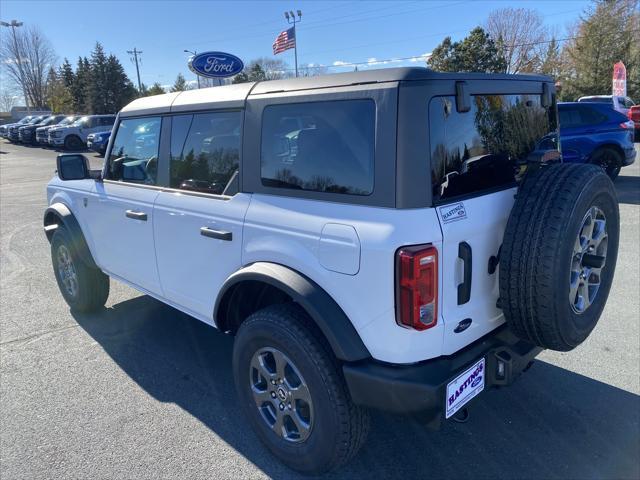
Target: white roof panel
point(225, 96)
point(154, 104)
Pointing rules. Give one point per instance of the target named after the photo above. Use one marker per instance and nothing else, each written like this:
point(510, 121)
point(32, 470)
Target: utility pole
point(13, 25)
point(291, 18)
point(197, 76)
point(135, 52)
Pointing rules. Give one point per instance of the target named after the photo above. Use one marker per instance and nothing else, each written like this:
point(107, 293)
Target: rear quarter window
point(487, 147)
point(319, 146)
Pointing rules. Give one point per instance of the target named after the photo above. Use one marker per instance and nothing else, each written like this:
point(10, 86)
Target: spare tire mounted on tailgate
point(559, 254)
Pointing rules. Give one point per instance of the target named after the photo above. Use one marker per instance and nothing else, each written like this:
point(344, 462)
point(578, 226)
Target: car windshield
point(80, 122)
point(67, 121)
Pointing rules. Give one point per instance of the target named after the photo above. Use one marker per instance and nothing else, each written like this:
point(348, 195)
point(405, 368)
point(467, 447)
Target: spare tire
point(559, 254)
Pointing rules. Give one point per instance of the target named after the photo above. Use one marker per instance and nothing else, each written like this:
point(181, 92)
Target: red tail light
point(417, 287)
point(627, 125)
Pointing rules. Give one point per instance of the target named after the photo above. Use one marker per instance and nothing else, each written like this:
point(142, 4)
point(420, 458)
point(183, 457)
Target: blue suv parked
point(596, 133)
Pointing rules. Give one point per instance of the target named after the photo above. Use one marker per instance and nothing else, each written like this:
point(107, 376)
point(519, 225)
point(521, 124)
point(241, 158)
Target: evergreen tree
point(97, 94)
point(119, 89)
point(59, 97)
point(155, 89)
point(609, 32)
point(552, 61)
point(180, 85)
point(475, 53)
point(81, 85)
point(66, 75)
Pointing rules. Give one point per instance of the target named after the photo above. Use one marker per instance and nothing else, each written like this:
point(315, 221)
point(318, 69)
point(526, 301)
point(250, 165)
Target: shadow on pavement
point(551, 424)
point(628, 189)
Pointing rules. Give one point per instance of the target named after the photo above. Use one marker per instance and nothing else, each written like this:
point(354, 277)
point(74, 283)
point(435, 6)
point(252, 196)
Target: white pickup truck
point(398, 239)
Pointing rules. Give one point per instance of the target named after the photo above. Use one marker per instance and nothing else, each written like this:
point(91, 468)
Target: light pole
point(291, 18)
point(13, 25)
point(194, 54)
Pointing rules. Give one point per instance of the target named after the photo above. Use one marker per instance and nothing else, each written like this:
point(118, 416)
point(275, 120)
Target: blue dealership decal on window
point(215, 64)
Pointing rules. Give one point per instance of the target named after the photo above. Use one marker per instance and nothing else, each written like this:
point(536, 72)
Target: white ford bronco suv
point(397, 239)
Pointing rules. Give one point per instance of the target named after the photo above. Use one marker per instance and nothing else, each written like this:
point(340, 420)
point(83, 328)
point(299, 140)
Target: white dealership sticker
point(453, 212)
point(464, 388)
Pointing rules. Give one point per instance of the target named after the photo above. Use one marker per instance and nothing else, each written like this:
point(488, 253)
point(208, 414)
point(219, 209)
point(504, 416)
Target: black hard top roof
point(379, 76)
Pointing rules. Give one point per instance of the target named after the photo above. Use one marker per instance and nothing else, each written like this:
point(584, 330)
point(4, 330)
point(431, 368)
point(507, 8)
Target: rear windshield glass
point(319, 146)
point(487, 148)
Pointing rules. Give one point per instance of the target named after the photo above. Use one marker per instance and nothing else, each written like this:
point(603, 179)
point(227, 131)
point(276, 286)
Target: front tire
point(291, 389)
point(85, 289)
point(73, 143)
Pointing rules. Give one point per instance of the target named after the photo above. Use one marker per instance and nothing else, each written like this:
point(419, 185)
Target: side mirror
point(72, 167)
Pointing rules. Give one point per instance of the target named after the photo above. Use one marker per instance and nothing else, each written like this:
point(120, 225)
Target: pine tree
point(66, 75)
point(59, 97)
point(119, 89)
point(552, 61)
point(81, 85)
point(97, 94)
point(475, 53)
point(155, 89)
point(180, 85)
point(610, 32)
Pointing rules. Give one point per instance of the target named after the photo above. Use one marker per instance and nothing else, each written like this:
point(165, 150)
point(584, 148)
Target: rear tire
point(564, 222)
point(332, 428)
point(609, 160)
point(73, 142)
point(85, 289)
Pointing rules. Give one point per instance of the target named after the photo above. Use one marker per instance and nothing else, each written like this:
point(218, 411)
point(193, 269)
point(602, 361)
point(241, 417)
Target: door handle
point(136, 215)
point(464, 289)
point(219, 234)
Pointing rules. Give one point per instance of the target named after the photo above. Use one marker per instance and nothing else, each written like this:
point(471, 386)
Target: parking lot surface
point(141, 390)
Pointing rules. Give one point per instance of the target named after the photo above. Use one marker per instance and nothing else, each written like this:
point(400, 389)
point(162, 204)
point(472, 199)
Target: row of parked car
point(70, 132)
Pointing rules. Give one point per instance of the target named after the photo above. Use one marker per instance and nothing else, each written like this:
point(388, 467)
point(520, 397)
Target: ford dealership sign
point(215, 64)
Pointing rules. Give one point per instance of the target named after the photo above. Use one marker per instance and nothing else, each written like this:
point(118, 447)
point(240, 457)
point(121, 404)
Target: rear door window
point(319, 146)
point(205, 152)
point(488, 147)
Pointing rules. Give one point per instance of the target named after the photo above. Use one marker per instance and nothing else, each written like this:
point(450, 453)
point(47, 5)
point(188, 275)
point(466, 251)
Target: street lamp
point(291, 18)
point(13, 25)
point(194, 54)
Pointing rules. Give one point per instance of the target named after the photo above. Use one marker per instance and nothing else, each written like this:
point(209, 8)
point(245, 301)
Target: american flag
point(284, 41)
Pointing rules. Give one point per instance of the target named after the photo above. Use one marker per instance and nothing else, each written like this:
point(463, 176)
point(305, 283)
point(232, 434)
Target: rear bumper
point(420, 389)
point(629, 156)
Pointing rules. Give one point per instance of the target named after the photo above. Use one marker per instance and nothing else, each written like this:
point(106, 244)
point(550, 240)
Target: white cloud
point(340, 63)
point(422, 58)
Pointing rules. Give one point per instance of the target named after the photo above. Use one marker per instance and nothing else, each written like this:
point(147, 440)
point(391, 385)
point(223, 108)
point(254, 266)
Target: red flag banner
point(619, 80)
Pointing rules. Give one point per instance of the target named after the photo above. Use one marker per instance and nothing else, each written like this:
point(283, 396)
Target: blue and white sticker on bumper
point(465, 386)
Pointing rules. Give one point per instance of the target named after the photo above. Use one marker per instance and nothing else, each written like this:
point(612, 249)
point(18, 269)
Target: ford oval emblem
point(477, 381)
point(463, 325)
point(215, 64)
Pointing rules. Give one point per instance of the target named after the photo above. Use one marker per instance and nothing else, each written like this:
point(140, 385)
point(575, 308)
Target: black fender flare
point(323, 310)
point(59, 214)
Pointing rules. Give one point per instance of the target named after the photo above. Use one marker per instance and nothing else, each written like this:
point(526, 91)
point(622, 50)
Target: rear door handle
point(219, 234)
point(464, 289)
point(136, 215)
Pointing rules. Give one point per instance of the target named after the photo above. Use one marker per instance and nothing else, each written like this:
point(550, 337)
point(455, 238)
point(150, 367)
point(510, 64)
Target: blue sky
point(330, 32)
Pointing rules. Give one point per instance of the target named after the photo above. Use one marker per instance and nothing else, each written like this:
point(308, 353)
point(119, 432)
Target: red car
point(634, 116)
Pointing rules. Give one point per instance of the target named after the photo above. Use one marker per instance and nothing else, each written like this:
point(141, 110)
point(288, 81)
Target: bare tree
point(27, 57)
point(8, 99)
point(519, 33)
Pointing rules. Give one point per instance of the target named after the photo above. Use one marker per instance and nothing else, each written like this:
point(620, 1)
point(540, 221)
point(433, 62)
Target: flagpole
point(291, 18)
point(295, 46)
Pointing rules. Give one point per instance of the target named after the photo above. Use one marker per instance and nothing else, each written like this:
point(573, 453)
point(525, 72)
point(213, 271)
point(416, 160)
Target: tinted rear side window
point(319, 146)
point(487, 147)
point(205, 151)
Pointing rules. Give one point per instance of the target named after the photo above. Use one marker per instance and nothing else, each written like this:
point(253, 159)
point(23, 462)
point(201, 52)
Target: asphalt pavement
point(143, 391)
